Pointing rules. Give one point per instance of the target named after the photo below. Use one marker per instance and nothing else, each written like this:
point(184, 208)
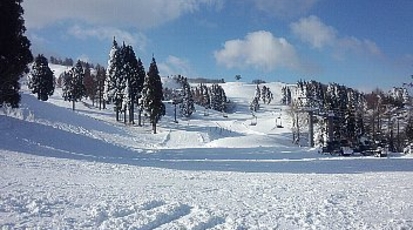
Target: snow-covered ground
point(61, 169)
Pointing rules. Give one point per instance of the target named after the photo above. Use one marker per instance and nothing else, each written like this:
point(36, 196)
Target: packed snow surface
point(64, 169)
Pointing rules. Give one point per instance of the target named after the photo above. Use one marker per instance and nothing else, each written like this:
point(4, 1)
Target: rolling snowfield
point(61, 169)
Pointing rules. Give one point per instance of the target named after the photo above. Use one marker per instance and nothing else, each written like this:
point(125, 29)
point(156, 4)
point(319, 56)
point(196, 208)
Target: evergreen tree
point(115, 84)
point(218, 99)
point(134, 75)
point(41, 79)
point(100, 81)
point(257, 92)
point(113, 72)
point(139, 86)
point(15, 51)
point(152, 95)
point(264, 94)
point(90, 82)
point(268, 96)
point(65, 78)
point(206, 98)
point(76, 89)
point(187, 107)
point(254, 105)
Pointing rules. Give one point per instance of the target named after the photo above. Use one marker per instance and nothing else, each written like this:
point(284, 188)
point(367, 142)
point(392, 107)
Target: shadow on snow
point(42, 140)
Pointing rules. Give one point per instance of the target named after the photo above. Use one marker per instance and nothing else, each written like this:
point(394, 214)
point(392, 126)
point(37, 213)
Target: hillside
point(64, 169)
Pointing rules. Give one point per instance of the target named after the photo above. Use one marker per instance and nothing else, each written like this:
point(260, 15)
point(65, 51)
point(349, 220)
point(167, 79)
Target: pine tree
point(41, 79)
point(264, 94)
point(206, 98)
point(254, 105)
point(134, 75)
point(152, 95)
point(113, 72)
point(65, 78)
point(115, 84)
point(140, 81)
point(76, 89)
point(90, 83)
point(15, 51)
point(100, 79)
point(257, 93)
point(187, 107)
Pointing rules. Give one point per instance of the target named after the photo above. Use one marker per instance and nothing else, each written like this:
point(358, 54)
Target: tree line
point(124, 83)
point(341, 113)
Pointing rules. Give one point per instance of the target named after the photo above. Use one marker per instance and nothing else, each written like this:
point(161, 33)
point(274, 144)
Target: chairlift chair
point(278, 123)
point(254, 120)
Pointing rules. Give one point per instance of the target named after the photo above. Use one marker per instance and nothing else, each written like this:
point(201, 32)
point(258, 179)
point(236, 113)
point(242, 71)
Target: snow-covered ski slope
point(61, 169)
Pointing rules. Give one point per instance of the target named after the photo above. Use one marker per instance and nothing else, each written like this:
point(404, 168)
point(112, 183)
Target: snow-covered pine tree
point(111, 72)
point(269, 96)
point(14, 52)
point(140, 81)
point(284, 95)
point(187, 107)
point(65, 78)
point(132, 73)
point(257, 92)
point(254, 105)
point(76, 89)
point(350, 117)
point(115, 84)
point(41, 78)
point(223, 99)
point(206, 99)
point(218, 98)
point(289, 96)
point(264, 94)
point(100, 80)
point(152, 95)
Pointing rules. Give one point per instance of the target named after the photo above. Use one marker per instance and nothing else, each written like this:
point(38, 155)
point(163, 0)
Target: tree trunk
point(140, 117)
point(73, 105)
point(124, 115)
point(131, 113)
point(154, 127)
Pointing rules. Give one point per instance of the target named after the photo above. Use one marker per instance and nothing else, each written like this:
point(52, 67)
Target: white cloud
point(138, 40)
point(173, 66)
point(318, 35)
point(358, 46)
point(284, 8)
point(311, 30)
point(125, 13)
point(260, 50)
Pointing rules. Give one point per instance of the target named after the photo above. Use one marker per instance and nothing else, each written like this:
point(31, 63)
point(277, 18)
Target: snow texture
point(61, 169)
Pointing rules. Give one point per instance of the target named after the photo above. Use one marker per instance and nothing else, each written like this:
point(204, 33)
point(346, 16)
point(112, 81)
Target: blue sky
point(359, 43)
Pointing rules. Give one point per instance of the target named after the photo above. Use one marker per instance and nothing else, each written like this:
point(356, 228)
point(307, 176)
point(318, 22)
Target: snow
point(64, 169)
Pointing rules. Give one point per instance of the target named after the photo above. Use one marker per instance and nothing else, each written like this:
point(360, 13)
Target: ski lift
point(224, 114)
point(278, 123)
point(254, 120)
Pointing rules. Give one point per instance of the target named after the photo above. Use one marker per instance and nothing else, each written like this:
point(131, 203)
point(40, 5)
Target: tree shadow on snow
point(275, 160)
point(42, 140)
